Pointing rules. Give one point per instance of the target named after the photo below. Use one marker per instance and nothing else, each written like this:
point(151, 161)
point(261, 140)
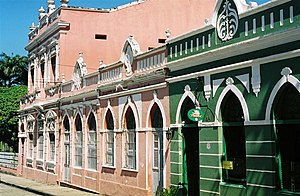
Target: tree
point(13, 70)
point(9, 105)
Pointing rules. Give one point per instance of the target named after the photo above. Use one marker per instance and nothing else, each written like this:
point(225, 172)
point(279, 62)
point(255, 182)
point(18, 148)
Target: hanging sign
point(195, 114)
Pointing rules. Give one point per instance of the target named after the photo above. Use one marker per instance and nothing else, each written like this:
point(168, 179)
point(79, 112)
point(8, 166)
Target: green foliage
point(172, 191)
point(13, 70)
point(9, 106)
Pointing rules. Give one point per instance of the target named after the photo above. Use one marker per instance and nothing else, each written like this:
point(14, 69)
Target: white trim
point(211, 192)
point(239, 95)
point(261, 171)
point(263, 186)
point(284, 79)
point(210, 167)
point(186, 94)
point(250, 45)
point(211, 142)
point(259, 142)
point(134, 91)
point(108, 108)
point(261, 156)
point(130, 104)
point(208, 154)
point(210, 179)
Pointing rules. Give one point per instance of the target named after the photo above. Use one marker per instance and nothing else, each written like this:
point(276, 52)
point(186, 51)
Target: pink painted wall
point(147, 22)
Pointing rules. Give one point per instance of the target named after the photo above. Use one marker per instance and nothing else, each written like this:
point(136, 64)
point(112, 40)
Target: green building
point(242, 70)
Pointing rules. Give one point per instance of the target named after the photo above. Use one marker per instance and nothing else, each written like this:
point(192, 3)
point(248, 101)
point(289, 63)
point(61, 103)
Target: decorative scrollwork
point(227, 22)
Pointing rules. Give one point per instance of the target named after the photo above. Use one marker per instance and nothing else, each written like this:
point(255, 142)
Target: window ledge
point(232, 185)
point(109, 166)
point(91, 170)
point(130, 170)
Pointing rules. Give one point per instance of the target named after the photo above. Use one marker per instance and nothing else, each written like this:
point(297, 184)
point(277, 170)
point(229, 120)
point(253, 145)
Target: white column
point(56, 63)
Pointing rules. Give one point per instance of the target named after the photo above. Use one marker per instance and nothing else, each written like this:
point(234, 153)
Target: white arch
point(284, 79)
point(130, 104)
point(92, 111)
point(186, 94)
point(239, 95)
point(81, 118)
point(108, 108)
point(160, 106)
point(66, 115)
point(51, 114)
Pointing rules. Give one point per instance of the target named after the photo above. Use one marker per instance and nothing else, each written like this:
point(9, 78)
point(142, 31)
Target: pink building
point(97, 112)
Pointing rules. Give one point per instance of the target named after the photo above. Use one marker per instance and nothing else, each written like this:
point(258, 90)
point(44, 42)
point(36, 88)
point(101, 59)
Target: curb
point(26, 188)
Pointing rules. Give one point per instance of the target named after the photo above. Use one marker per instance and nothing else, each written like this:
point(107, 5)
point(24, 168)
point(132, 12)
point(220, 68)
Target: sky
point(16, 16)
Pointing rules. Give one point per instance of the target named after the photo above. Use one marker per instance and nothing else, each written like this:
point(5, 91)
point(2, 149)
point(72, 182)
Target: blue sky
point(17, 15)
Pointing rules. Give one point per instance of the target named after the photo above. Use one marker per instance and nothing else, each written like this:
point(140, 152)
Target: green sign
point(195, 114)
point(227, 165)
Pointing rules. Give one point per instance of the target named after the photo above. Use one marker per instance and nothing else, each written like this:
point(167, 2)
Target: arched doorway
point(66, 128)
point(234, 139)
point(287, 117)
point(157, 152)
point(190, 149)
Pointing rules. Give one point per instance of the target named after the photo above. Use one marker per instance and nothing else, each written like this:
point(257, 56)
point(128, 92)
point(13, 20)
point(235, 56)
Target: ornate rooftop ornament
point(42, 12)
point(80, 70)
point(227, 21)
point(130, 49)
point(64, 3)
point(51, 6)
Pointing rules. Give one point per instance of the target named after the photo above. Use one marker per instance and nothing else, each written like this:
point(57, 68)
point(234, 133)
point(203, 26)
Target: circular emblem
point(195, 114)
point(227, 21)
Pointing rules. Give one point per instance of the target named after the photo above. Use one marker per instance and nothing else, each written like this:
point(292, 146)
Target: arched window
point(40, 126)
point(51, 126)
point(234, 138)
point(92, 143)
point(157, 153)
point(287, 118)
point(110, 139)
point(130, 141)
point(30, 129)
point(78, 141)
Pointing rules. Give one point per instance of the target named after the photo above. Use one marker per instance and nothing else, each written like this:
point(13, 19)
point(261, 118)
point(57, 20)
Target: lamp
point(169, 133)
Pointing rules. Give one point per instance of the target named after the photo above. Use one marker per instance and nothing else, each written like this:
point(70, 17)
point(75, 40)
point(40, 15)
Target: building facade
point(239, 75)
point(96, 115)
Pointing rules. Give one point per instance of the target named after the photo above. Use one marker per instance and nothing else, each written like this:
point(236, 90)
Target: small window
point(101, 36)
point(161, 41)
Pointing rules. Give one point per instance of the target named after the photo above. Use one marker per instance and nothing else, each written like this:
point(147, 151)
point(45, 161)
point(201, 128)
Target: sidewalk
point(40, 188)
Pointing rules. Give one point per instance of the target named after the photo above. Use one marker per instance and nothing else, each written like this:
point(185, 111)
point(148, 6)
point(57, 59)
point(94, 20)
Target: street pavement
point(31, 187)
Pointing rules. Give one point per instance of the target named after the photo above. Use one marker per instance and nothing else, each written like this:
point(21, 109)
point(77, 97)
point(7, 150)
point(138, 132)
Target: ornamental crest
point(227, 21)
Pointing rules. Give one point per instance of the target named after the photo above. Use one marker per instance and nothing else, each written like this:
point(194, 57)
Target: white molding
point(272, 58)
point(134, 91)
point(41, 38)
point(263, 186)
point(207, 87)
point(239, 95)
point(244, 80)
point(161, 107)
point(284, 79)
point(261, 171)
point(187, 94)
point(250, 45)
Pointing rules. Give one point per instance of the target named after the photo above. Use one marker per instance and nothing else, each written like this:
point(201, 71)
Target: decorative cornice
point(249, 63)
point(52, 29)
point(134, 91)
point(244, 47)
